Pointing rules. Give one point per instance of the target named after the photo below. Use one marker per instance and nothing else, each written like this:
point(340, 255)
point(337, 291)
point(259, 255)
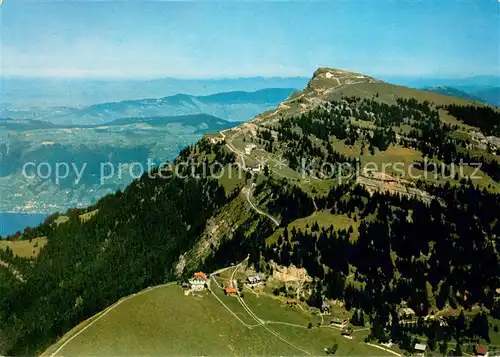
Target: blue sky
point(139, 39)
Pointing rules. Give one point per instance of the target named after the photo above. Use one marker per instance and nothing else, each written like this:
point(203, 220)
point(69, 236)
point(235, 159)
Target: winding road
point(259, 211)
point(249, 189)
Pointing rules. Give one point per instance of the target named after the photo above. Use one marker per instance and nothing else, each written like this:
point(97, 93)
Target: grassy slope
point(25, 248)
point(323, 218)
point(165, 322)
point(389, 92)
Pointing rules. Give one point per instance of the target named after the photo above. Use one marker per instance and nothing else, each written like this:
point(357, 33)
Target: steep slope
point(375, 241)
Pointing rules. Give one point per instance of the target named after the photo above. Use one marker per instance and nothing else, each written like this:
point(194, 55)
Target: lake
point(12, 222)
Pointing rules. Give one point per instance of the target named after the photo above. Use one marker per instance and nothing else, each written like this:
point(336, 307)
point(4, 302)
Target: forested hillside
point(130, 244)
point(428, 243)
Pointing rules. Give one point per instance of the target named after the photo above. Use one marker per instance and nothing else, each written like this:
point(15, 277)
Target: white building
point(254, 280)
point(420, 349)
point(214, 140)
point(249, 148)
point(258, 168)
point(198, 282)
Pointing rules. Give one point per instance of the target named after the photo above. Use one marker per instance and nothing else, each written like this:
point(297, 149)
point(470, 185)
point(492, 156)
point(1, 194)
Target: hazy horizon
point(202, 40)
point(222, 78)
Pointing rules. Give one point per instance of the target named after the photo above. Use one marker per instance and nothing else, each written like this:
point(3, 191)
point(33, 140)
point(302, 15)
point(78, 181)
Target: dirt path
point(259, 321)
point(230, 146)
point(263, 323)
point(248, 192)
point(383, 348)
point(231, 311)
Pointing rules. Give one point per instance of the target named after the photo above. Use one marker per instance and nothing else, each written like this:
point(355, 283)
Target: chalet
point(420, 349)
point(200, 275)
point(338, 321)
point(291, 302)
point(230, 291)
point(199, 281)
point(254, 280)
point(481, 350)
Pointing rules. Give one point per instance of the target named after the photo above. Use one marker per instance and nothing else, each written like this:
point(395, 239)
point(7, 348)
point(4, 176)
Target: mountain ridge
point(374, 249)
point(232, 106)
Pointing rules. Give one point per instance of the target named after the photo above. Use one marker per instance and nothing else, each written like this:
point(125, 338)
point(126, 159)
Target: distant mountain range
point(51, 92)
point(422, 82)
point(488, 95)
point(120, 142)
point(453, 92)
point(483, 89)
point(231, 106)
point(125, 131)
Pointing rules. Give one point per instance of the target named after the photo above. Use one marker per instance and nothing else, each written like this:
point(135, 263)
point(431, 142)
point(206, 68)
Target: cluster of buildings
point(479, 350)
point(257, 168)
point(251, 282)
point(215, 139)
point(407, 316)
point(200, 281)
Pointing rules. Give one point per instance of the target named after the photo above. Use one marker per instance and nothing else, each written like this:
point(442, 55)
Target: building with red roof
point(230, 291)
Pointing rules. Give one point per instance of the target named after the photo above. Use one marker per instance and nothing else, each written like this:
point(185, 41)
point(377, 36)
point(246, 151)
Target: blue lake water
point(12, 222)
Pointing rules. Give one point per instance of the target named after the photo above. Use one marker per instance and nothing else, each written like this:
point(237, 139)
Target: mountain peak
point(325, 76)
point(323, 84)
